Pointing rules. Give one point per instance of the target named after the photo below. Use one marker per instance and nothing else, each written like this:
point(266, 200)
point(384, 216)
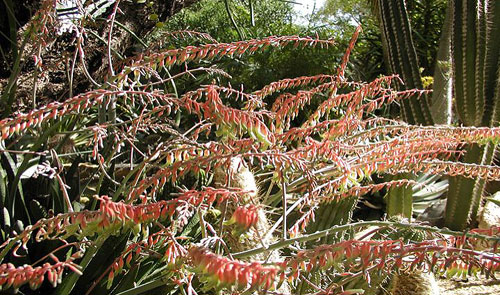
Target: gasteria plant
point(156, 225)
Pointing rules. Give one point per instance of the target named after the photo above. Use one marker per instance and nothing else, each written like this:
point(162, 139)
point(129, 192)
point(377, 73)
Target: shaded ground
point(473, 286)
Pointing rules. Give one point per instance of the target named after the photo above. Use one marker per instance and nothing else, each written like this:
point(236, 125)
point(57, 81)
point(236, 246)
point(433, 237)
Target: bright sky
point(308, 5)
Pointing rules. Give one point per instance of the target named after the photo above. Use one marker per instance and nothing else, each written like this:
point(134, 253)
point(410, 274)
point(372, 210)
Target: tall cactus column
point(476, 71)
point(400, 54)
point(475, 51)
point(402, 58)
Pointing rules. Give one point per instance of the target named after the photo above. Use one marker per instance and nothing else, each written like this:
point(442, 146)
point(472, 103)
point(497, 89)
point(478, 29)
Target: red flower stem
point(495, 258)
point(283, 193)
point(57, 249)
point(420, 249)
point(352, 226)
point(352, 277)
point(69, 282)
point(99, 279)
point(313, 285)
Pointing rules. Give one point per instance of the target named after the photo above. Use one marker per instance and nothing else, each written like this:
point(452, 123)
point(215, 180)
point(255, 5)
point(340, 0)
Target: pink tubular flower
point(245, 217)
point(228, 272)
point(15, 277)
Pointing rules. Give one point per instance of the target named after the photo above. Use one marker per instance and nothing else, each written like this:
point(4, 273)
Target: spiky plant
point(153, 225)
point(476, 71)
point(472, 27)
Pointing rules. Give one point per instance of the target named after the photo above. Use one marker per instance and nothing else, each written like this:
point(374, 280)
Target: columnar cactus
point(475, 51)
point(475, 54)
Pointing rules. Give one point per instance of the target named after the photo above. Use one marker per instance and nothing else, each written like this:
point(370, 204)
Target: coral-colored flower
point(15, 277)
point(245, 217)
point(228, 272)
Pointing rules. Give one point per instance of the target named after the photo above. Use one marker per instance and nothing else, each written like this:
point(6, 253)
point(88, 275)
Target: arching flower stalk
point(357, 191)
point(161, 245)
point(214, 131)
point(20, 123)
point(364, 256)
point(15, 277)
point(114, 216)
point(224, 272)
point(286, 84)
point(171, 57)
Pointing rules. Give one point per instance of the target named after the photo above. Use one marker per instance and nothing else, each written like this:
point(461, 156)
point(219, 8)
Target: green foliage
point(427, 21)
point(271, 18)
point(426, 18)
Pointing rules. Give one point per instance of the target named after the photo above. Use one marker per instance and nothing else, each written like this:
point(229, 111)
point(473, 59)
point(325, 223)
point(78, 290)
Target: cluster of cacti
point(469, 47)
